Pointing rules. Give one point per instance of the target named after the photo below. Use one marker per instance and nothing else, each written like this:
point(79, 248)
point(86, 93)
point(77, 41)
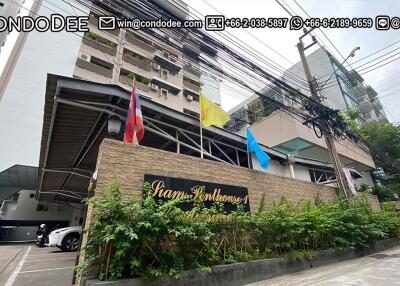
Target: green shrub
point(151, 238)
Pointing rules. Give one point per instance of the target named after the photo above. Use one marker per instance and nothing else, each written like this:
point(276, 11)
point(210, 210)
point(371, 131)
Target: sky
point(284, 41)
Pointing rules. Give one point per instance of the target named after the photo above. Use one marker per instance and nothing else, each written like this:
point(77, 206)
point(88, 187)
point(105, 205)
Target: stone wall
point(128, 164)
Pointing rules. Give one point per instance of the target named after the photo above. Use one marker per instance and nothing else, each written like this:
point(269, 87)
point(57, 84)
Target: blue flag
point(253, 147)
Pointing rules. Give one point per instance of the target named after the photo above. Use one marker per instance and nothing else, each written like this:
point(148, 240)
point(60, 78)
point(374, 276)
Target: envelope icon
point(106, 23)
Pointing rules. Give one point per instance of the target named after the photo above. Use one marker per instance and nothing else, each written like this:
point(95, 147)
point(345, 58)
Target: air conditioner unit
point(164, 92)
point(84, 57)
point(154, 87)
point(190, 97)
point(156, 67)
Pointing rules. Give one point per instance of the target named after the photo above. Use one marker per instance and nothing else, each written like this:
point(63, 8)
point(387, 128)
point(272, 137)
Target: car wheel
point(70, 242)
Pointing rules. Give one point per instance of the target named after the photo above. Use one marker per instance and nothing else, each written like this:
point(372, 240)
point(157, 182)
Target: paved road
point(381, 269)
point(27, 265)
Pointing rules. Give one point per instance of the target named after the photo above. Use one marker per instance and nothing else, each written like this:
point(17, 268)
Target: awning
point(75, 123)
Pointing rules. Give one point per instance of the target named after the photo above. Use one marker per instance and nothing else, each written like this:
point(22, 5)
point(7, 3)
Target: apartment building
point(340, 88)
point(161, 72)
point(275, 128)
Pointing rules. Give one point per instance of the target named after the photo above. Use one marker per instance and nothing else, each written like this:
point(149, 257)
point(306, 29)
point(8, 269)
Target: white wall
point(320, 65)
point(300, 172)
point(366, 180)
point(21, 107)
point(26, 210)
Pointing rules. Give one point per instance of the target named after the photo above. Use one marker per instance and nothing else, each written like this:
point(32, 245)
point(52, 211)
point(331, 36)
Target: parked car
point(67, 239)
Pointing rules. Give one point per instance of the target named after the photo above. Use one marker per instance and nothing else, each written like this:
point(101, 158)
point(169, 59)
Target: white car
point(66, 238)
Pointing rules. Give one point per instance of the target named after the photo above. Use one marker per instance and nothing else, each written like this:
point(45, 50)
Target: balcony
point(99, 43)
point(364, 104)
point(377, 104)
point(167, 62)
point(359, 91)
point(371, 92)
point(139, 85)
point(134, 40)
point(136, 62)
point(191, 85)
point(166, 85)
point(191, 70)
point(94, 68)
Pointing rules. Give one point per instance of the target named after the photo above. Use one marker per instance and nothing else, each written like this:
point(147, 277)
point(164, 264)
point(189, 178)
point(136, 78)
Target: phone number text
point(256, 22)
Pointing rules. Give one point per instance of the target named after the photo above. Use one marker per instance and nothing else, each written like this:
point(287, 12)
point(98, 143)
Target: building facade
point(340, 88)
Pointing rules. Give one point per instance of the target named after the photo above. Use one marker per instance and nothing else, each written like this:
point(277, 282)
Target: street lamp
point(114, 125)
point(352, 54)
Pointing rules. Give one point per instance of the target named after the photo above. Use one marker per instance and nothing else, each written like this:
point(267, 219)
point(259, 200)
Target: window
point(42, 207)
point(31, 196)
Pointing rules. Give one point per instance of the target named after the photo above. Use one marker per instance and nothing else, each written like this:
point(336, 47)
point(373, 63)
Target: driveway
point(27, 265)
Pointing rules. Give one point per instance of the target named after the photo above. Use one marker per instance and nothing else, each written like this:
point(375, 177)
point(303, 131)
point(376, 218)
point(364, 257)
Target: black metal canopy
point(75, 122)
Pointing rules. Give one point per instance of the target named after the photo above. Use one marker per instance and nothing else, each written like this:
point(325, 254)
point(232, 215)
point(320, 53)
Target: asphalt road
point(380, 269)
point(27, 265)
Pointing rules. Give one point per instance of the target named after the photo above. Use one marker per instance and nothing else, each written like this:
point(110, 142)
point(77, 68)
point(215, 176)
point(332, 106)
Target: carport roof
point(75, 120)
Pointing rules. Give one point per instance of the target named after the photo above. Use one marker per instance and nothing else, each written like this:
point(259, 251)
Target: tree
point(384, 140)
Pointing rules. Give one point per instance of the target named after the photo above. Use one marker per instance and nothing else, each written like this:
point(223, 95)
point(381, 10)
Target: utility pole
point(337, 165)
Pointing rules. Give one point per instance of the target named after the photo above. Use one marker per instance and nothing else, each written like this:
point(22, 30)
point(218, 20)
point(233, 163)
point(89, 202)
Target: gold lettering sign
point(167, 188)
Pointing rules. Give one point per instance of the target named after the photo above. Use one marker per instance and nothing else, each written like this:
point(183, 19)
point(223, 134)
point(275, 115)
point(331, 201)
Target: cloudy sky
point(284, 40)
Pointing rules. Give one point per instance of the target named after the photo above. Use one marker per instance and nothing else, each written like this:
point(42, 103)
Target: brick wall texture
point(128, 164)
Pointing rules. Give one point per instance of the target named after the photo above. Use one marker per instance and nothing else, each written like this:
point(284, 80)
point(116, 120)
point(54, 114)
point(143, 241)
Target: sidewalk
point(380, 269)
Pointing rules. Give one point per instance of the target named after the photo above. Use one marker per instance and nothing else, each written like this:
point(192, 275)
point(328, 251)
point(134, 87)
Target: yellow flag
point(211, 113)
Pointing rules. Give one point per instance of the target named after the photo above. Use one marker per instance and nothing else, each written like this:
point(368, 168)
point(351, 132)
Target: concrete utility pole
point(337, 165)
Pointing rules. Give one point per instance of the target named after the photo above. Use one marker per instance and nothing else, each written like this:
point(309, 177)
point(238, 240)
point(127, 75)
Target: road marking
point(17, 269)
point(49, 269)
point(72, 257)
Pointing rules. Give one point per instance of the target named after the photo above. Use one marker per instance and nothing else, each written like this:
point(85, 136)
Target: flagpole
point(201, 138)
point(135, 141)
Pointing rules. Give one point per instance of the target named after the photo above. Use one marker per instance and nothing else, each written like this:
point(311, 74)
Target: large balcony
point(191, 84)
point(93, 67)
point(371, 92)
point(191, 70)
point(166, 61)
point(144, 64)
point(364, 104)
point(135, 40)
point(99, 43)
point(359, 90)
point(129, 81)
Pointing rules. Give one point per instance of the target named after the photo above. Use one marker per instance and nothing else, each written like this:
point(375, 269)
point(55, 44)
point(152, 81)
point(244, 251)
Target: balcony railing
point(94, 68)
point(191, 86)
point(135, 41)
point(99, 46)
point(364, 104)
point(128, 81)
point(137, 62)
point(191, 70)
point(371, 92)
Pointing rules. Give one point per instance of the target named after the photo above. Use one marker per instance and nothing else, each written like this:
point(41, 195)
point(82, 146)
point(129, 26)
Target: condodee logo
point(54, 23)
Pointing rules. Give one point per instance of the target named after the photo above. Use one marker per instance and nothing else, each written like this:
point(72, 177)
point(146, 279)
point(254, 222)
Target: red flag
point(134, 128)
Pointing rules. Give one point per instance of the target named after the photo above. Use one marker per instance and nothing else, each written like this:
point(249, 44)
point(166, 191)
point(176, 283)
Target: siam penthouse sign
point(168, 188)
